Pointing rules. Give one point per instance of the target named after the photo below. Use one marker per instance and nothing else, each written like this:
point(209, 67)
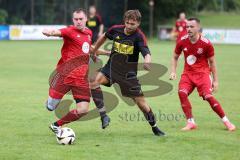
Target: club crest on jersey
point(200, 51)
point(78, 36)
point(185, 49)
point(85, 47)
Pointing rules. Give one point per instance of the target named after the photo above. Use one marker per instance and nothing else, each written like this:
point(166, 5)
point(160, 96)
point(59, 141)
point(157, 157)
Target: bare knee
point(82, 107)
point(52, 103)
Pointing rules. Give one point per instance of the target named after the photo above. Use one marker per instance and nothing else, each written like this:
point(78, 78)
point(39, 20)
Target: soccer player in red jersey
point(199, 63)
point(72, 69)
point(121, 68)
point(180, 26)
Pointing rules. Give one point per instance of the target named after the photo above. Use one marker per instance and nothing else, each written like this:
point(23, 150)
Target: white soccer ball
point(66, 136)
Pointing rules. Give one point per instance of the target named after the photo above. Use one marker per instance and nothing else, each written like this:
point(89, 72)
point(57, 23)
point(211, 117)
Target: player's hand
point(215, 86)
point(108, 52)
point(147, 66)
point(46, 32)
point(173, 76)
point(94, 58)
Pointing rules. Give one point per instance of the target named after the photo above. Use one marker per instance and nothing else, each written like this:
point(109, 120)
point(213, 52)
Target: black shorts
point(129, 84)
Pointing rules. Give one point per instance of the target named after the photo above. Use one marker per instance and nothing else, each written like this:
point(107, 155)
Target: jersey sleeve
point(99, 19)
point(64, 32)
point(109, 34)
point(210, 51)
point(178, 48)
point(142, 45)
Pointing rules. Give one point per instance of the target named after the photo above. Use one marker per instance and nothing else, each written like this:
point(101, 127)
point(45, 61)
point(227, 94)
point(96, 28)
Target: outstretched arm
point(52, 32)
point(174, 61)
point(100, 51)
point(99, 43)
point(101, 27)
point(213, 67)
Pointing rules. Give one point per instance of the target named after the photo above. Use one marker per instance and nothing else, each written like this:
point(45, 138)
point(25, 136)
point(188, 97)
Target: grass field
point(214, 20)
point(24, 70)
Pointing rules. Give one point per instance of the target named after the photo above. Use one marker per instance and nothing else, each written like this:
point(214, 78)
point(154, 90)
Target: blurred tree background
point(59, 11)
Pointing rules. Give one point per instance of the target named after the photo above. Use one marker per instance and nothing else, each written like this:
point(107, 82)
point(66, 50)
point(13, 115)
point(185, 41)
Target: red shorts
point(59, 87)
point(201, 81)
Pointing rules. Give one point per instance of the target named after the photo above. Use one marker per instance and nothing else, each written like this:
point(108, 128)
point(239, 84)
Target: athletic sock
point(71, 116)
point(191, 120)
point(186, 105)
point(215, 106)
point(98, 100)
point(150, 117)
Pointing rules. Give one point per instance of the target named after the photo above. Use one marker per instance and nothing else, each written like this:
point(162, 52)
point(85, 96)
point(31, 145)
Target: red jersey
point(181, 26)
point(74, 53)
point(196, 55)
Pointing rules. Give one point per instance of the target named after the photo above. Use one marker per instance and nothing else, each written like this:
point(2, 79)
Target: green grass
point(219, 20)
point(230, 20)
point(25, 67)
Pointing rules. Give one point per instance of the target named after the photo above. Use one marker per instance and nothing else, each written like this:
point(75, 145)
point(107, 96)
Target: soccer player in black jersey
point(95, 23)
point(121, 68)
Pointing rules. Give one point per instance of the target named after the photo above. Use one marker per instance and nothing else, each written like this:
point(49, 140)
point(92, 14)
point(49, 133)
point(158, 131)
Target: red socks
point(216, 106)
point(186, 105)
point(71, 116)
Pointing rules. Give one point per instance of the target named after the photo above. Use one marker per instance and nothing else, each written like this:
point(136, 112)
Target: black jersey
point(93, 24)
point(125, 50)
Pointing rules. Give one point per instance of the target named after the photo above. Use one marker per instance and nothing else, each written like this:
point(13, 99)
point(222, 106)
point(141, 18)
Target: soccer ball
point(66, 136)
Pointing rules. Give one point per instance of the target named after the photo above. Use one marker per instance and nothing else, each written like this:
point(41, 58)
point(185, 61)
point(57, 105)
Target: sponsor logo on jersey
point(123, 48)
point(92, 23)
point(191, 59)
point(85, 47)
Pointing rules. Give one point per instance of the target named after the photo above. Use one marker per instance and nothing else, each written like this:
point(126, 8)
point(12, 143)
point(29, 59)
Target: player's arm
point(52, 32)
point(174, 61)
point(213, 67)
point(101, 28)
point(98, 44)
point(147, 61)
point(100, 51)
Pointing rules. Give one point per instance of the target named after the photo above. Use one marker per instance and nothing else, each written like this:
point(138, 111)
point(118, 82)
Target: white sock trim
point(191, 120)
point(225, 119)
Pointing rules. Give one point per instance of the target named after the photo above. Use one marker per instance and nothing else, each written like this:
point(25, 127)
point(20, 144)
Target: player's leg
point(148, 114)
point(96, 92)
point(131, 88)
point(81, 95)
point(57, 90)
point(205, 90)
point(82, 107)
point(185, 89)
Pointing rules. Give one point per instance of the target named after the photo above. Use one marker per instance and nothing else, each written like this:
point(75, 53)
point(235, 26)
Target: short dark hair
point(133, 14)
point(194, 19)
point(79, 10)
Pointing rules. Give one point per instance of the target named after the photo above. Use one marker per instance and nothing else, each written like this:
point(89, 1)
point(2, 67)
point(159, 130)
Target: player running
point(121, 68)
point(72, 69)
point(199, 63)
point(179, 29)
